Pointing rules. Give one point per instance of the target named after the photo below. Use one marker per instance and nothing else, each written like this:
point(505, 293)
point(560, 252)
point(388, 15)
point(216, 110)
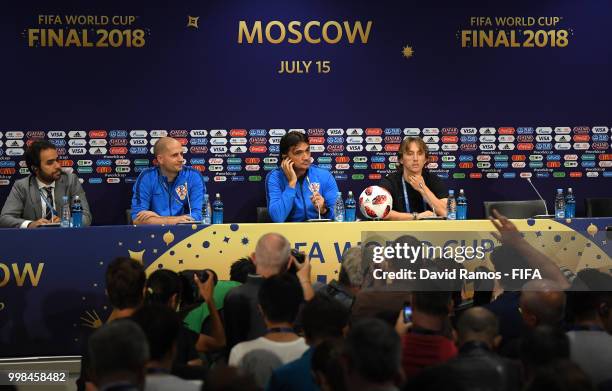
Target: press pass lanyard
point(406, 202)
point(44, 197)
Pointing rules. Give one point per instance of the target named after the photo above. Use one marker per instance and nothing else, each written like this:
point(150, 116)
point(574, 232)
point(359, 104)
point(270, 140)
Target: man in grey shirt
point(36, 199)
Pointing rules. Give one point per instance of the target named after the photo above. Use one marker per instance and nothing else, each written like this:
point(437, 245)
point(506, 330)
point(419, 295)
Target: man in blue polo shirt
point(298, 190)
point(170, 193)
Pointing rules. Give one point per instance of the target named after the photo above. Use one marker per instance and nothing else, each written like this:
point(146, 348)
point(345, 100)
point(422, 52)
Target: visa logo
point(354, 148)
point(198, 133)
point(468, 131)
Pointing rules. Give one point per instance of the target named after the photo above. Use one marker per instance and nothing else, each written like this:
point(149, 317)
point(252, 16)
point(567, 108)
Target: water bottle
point(570, 204)
point(217, 210)
point(77, 212)
point(349, 207)
point(206, 210)
point(461, 206)
point(559, 205)
point(451, 206)
point(339, 208)
point(65, 214)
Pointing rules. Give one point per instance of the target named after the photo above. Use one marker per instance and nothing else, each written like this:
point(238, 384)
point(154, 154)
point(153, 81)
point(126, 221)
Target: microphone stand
point(547, 215)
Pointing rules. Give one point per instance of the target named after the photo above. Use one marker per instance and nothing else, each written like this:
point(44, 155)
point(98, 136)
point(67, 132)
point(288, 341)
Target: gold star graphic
point(192, 21)
point(407, 51)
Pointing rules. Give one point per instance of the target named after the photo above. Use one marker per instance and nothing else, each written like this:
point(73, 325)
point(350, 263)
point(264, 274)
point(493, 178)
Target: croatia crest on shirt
point(181, 191)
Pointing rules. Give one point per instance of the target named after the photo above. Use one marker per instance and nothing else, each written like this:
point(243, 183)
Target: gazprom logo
point(258, 132)
point(335, 140)
point(118, 134)
point(199, 141)
point(138, 150)
point(393, 131)
point(468, 139)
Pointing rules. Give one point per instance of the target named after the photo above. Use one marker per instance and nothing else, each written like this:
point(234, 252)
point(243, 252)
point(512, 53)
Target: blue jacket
point(287, 204)
point(294, 376)
point(153, 192)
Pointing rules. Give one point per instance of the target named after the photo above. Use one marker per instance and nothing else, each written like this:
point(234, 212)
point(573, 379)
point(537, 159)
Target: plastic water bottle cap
point(559, 190)
point(569, 189)
point(218, 195)
point(451, 192)
point(350, 193)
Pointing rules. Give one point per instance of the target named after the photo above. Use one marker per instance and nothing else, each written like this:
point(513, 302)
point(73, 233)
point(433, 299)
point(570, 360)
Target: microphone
point(188, 202)
point(539, 195)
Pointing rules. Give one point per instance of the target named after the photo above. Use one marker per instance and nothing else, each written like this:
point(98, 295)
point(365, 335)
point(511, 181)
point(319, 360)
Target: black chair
point(262, 215)
point(128, 216)
point(516, 209)
point(598, 207)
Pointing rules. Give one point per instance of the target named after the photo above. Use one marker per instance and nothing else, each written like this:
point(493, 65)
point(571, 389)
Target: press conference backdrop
point(499, 92)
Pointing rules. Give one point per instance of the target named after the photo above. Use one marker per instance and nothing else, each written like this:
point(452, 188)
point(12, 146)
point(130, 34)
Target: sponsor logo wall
point(353, 155)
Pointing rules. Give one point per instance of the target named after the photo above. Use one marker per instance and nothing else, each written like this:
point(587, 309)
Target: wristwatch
point(414, 215)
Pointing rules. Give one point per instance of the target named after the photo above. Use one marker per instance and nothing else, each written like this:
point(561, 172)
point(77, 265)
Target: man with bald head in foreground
point(170, 193)
point(542, 303)
point(243, 319)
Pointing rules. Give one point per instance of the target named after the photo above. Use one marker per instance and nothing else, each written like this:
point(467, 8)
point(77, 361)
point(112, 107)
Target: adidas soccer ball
point(375, 202)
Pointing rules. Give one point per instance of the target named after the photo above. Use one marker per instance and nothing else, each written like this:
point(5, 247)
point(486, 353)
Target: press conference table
point(52, 279)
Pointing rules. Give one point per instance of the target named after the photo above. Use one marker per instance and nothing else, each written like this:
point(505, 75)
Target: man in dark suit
point(37, 199)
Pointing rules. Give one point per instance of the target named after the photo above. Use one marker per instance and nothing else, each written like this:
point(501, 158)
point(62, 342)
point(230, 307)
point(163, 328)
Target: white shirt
point(286, 351)
point(43, 197)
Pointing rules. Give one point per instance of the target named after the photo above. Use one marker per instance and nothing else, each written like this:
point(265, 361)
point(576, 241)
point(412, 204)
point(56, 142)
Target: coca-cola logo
point(118, 151)
point(238, 133)
point(373, 131)
point(97, 134)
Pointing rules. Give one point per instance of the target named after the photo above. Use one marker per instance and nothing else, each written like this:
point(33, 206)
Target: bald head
point(271, 253)
point(542, 302)
point(477, 324)
point(164, 144)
